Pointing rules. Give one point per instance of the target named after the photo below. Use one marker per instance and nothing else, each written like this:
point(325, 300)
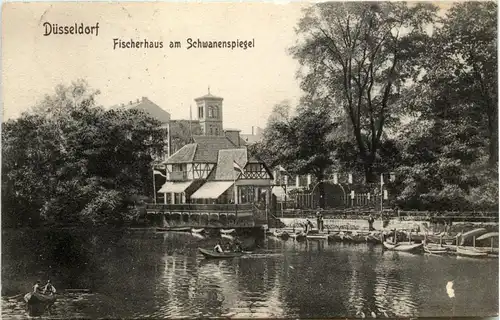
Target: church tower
point(210, 114)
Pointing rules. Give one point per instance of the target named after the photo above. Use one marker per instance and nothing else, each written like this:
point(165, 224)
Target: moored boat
point(317, 236)
point(372, 238)
point(435, 249)
point(298, 236)
point(177, 229)
point(403, 246)
point(219, 255)
point(227, 231)
point(465, 252)
point(193, 230)
point(281, 234)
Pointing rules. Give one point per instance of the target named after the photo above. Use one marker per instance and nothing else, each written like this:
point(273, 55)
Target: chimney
point(233, 135)
point(137, 100)
point(252, 130)
point(130, 102)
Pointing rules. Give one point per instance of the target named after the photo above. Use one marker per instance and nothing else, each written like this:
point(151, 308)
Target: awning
point(212, 189)
point(175, 187)
point(488, 235)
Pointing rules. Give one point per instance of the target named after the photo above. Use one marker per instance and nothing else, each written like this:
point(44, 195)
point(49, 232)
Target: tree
point(439, 171)
point(460, 86)
point(300, 143)
point(450, 152)
point(358, 55)
point(69, 161)
point(181, 133)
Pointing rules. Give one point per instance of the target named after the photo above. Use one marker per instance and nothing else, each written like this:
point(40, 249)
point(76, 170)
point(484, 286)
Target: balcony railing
point(201, 207)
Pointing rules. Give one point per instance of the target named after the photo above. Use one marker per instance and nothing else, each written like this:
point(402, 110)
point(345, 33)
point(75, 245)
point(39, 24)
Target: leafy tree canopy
point(70, 161)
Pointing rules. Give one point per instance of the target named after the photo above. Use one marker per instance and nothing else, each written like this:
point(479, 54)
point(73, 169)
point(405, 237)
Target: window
point(211, 130)
point(216, 112)
point(200, 112)
point(216, 131)
point(210, 112)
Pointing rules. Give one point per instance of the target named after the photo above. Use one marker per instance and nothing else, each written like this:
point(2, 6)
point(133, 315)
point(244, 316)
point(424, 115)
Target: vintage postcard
point(249, 160)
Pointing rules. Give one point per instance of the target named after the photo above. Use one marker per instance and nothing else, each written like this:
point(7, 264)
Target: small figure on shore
point(318, 218)
point(49, 288)
point(370, 223)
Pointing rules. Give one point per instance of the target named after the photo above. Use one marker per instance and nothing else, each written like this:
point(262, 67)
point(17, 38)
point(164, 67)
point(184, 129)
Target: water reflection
point(162, 275)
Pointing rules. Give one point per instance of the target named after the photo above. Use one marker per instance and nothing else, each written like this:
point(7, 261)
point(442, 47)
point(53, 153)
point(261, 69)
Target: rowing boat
point(435, 249)
point(36, 297)
point(193, 230)
point(317, 236)
point(281, 234)
point(298, 236)
point(402, 246)
point(222, 255)
point(178, 229)
point(37, 302)
point(227, 231)
point(470, 253)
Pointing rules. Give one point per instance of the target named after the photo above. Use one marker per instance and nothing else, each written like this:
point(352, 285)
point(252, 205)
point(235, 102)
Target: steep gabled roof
point(209, 146)
point(204, 149)
point(225, 169)
point(183, 155)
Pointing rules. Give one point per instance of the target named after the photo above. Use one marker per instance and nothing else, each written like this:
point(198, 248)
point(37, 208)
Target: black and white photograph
point(270, 160)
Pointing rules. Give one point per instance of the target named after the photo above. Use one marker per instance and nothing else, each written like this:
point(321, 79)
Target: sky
point(251, 81)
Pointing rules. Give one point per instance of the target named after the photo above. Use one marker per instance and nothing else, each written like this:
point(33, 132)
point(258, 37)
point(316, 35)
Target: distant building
point(209, 123)
point(149, 107)
point(256, 136)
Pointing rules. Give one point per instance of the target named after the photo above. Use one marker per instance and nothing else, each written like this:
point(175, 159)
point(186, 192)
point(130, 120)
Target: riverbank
point(388, 224)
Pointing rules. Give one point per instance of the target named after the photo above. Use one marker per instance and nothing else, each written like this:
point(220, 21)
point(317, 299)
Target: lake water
point(152, 275)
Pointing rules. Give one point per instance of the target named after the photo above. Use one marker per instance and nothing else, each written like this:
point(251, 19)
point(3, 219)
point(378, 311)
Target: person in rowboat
point(237, 246)
point(37, 287)
point(49, 288)
point(218, 248)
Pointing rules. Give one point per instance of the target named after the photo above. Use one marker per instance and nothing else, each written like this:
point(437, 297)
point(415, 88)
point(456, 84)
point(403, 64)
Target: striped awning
point(175, 187)
point(212, 189)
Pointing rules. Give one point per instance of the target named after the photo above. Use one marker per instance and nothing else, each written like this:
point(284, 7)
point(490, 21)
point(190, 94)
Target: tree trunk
point(493, 137)
point(368, 168)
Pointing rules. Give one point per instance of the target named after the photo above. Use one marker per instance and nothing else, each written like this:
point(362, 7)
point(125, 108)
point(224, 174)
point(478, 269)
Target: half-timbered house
point(204, 172)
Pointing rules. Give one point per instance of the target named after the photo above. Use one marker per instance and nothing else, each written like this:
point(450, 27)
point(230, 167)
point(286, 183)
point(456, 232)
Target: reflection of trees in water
point(394, 287)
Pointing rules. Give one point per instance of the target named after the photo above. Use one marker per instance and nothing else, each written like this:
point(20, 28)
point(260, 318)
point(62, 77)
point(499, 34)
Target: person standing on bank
point(318, 219)
point(370, 223)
